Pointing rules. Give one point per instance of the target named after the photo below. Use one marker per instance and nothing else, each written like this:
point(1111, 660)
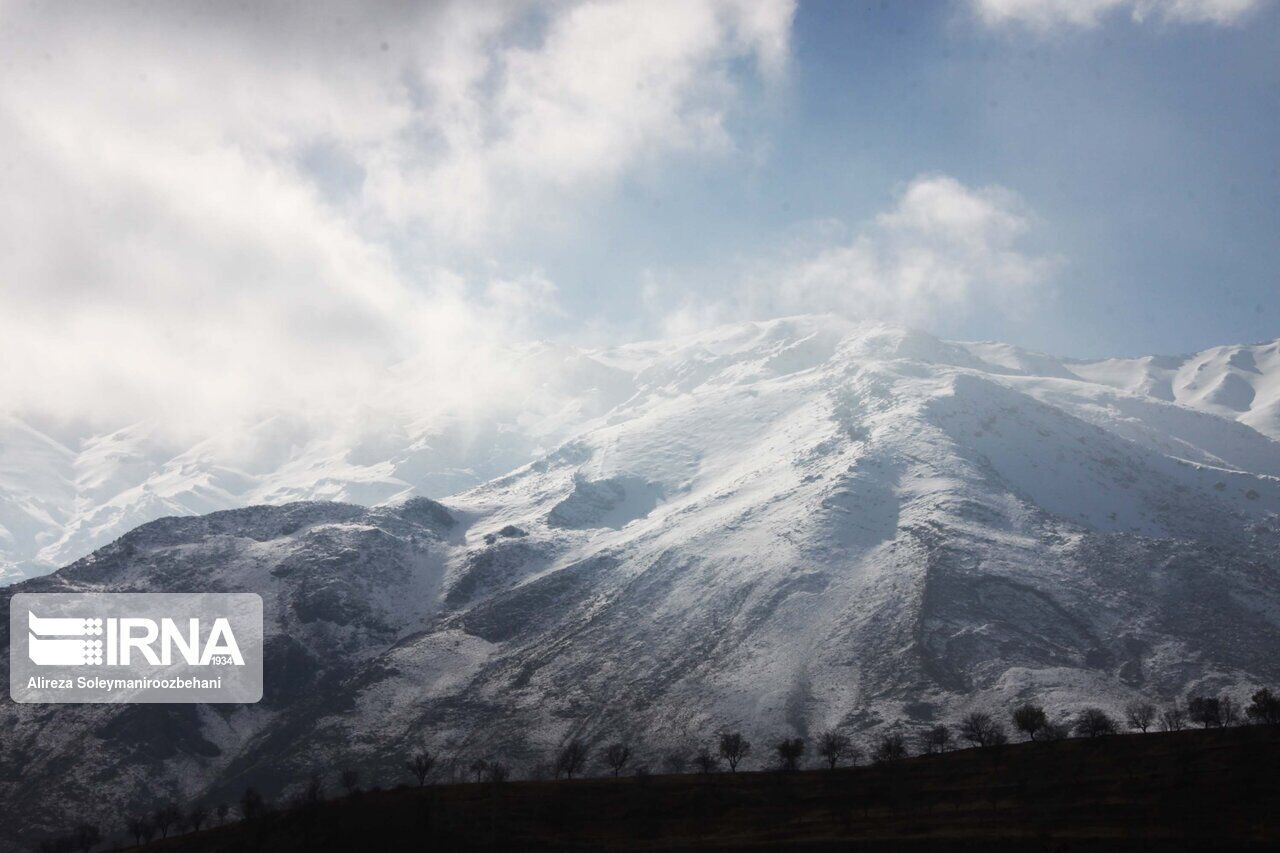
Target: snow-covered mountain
point(59, 501)
point(780, 526)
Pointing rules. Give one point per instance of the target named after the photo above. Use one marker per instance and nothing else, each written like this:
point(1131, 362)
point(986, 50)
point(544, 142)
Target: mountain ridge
point(111, 482)
point(786, 527)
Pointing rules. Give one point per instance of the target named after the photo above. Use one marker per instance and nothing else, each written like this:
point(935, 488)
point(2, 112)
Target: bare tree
point(1029, 719)
point(313, 794)
point(1140, 714)
point(1173, 719)
point(616, 756)
point(197, 816)
point(165, 817)
point(1264, 708)
point(421, 766)
point(478, 768)
point(496, 773)
point(675, 762)
point(733, 748)
point(350, 780)
point(790, 751)
point(1094, 722)
point(85, 837)
point(571, 758)
point(833, 747)
point(936, 740)
point(1230, 710)
point(252, 805)
point(307, 806)
point(137, 827)
point(981, 729)
point(891, 747)
point(705, 761)
point(222, 810)
point(1205, 710)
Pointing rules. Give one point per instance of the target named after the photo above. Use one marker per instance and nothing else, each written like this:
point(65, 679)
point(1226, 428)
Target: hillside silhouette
point(1203, 789)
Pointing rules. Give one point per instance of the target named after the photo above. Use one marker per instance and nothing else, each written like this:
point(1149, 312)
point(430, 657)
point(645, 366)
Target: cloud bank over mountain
point(218, 214)
point(211, 210)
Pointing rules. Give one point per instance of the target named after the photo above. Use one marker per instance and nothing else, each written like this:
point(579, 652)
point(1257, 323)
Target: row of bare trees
point(142, 827)
point(729, 749)
point(983, 729)
point(978, 729)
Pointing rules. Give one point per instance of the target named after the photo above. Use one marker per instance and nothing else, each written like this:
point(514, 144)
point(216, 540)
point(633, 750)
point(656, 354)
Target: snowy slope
point(58, 503)
point(37, 492)
point(781, 526)
point(1240, 382)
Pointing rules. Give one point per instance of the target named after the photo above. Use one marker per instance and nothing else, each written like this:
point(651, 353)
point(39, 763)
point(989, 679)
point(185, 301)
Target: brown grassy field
point(1196, 790)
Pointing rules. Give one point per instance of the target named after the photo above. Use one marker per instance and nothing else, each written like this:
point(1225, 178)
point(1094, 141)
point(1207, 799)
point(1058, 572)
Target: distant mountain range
point(59, 501)
point(780, 526)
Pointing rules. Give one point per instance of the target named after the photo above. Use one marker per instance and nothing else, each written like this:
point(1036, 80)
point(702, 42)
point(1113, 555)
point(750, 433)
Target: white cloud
point(606, 86)
point(210, 210)
point(943, 252)
point(1044, 15)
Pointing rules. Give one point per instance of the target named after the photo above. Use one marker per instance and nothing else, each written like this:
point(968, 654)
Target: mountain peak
point(57, 503)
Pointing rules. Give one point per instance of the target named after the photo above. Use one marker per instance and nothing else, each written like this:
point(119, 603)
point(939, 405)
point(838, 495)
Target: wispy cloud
point(211, 209)
point(1044, 15)
point(941, 252)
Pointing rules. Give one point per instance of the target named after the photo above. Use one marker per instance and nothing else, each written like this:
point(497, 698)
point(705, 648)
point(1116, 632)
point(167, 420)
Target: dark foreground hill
point(1187, 790)
point(788, 527)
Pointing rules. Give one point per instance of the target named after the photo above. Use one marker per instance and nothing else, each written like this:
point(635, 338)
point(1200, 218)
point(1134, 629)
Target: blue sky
point(213, 211)
point(1149, 153)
